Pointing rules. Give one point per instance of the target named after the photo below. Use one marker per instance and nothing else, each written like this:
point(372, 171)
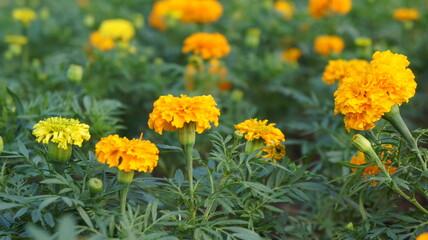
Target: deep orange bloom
point(423, 236)
point(207, 45)
point(101, 42)
point(285, 8)
point(405, 14)
point(372, 169)
point(127, 155)
point(170, 113)
point(321, 8)
point(326, 44)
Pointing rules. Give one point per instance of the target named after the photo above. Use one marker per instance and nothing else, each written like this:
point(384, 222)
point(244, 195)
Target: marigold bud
point(350, 226)
point(363, 42)
point(254, 145)
point(238, 135)
point(57, 154)
point(186, 134)
point(75, 73)
point(361, 143)
point(95, 185)
point(125, 177)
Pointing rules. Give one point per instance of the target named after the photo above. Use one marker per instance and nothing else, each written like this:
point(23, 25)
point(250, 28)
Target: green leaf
point(274, 209)
point(154, 210)
point(53, 181)
point(67, 228)
point(85, 217)
point(49, 219)
point(179, 177)
point(23, 149)
point(4, 206)
point(168, 147)
point(243, 233)
point(47, 201)
point(37, 233)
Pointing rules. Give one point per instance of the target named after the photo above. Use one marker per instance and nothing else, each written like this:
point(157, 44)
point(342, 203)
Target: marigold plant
point(326, 45)
point(207, 45)
point(259, 129)
point(171, 113)
point(127, 155)
point(62, 131)
point(405, 14)
point(365, 98)
point(321, 8)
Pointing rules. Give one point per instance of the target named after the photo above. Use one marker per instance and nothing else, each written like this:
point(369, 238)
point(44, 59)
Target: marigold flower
point(171, 113)
point(291, 55)
point(285, 8)
point(186, 11)
point(127, 155)
point(16, 39)
point(62, 131)
point(365, 98)
point(405, 14)
point(117, 29)
point(339, 69)
point(207, 45)
point(25, 15)
point(260, 129)
point(423, 236)
point(101, 42)
point(373, 169)
point(321, 8)
point(274, 152)
point(325, 45)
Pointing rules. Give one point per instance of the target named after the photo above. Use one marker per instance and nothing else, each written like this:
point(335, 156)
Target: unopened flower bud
point(350, 226)
point(139, 20)
point(75, 73)
point(238, 135)
point(186, 134)
point(252, 39)
point(57, 154)
point(363, 42)
point(95, 185)
point(89, 21)
point(237, 95)
point(361, 143)
point(125, 177)
point(254, 145)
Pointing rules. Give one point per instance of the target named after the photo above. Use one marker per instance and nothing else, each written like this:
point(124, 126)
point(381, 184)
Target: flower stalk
point(364, 146)
point(124, 178)
point(394, 117)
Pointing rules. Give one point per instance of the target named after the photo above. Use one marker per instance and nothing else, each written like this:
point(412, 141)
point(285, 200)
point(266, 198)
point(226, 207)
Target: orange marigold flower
point(260, 129)
point(372, 169)
point(291, 55)
point(423, 236)
point(365, 98)
point(170, 113)
point(339, 69)
point(405, 14)
point(325, 45)
point(127, 155)
point(186, 11)
point(285, 8)
point(207, 45)
point(321, 8)
point(99, 41)
point(274, 152)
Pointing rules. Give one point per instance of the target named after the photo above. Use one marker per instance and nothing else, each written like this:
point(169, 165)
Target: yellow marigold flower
point(423, 236)
point(321, 8)
point(260, 129)
point(186, 11)
point(16, 40)
point(365, 98)
point(101, 42)
point(373, 169)
point(274, 152)
point(291, 55)
point(207, 45)
point(170, 113)
point(25, 15)
point(339, 69)
point(325, 45)
point(127, 155)
point(285, 8)
point(405, 14)
point(117, 29)
point(63, 131)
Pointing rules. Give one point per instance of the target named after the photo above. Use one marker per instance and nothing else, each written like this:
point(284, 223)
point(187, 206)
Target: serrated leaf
point(23, 149)
point(53, 181)
point(243, 233)
point(179, 177)
point(47, 201)
point(4, 206)
point(85, 217)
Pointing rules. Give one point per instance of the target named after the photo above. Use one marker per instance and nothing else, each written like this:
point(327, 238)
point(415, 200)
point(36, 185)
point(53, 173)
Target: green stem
point(398, 123)
point(188, 148)
point(123, 196)
point(372, 155)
